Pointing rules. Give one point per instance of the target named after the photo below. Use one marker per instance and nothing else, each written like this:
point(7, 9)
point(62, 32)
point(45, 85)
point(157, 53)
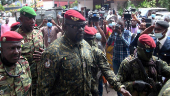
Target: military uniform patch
point(47, 63)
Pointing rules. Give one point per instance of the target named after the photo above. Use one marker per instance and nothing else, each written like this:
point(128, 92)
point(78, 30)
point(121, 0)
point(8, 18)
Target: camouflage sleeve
point(165, 91)
point(165, 69)
point(123, 73)
point(47, 73)
point(106, 71)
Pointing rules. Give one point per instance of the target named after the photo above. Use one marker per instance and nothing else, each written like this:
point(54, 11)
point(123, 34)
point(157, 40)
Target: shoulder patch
point(47, 63)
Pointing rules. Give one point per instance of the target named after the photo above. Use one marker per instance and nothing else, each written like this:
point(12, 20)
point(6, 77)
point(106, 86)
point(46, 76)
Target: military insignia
point(4, 39)
point(147, 46)
point(47, 63)
point(1, 92)
point(1, 77)
point(74, 18)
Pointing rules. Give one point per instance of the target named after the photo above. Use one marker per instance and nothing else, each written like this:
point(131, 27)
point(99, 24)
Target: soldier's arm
point(48, 73)
point(165, 69)
point(124, 73)
point(106, 71)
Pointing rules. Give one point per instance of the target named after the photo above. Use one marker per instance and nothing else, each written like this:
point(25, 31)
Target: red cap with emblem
point(147, 41)
point(11, 36)
point(90, 30)
point(74, 15)
point(15, 24)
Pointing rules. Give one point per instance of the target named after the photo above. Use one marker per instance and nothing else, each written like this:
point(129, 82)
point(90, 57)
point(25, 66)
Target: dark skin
point(11, 51)
point(27, 27)
point(74, 33)
point(159, 29)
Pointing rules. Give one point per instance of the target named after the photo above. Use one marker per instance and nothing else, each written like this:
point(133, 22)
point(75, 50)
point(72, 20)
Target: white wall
point(48, 4)
point(87, 4)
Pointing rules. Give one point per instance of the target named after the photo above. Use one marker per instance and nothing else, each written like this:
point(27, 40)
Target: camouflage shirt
point(66, 69)
point(100, 62)
point(165, 91)
point(15, 86)
point(128, 73)
point(31, 42)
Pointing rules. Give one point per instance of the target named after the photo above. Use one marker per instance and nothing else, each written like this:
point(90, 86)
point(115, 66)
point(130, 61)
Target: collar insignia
point(4, 39)
point(74, 18)
point(147, 46)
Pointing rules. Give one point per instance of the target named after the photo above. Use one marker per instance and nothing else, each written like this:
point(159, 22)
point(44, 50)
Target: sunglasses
point(77, 26)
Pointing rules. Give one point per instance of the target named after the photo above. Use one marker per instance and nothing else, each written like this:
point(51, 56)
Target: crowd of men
point(75, 58)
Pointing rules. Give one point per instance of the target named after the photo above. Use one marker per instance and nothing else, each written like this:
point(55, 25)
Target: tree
point(3, 2)
point(1, 8)
point(165, 3)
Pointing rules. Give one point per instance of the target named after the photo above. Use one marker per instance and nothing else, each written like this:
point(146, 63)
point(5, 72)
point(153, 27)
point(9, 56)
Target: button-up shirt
point(121, 45)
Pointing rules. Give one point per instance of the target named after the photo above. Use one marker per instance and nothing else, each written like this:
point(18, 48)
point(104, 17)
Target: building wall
point(87, 4)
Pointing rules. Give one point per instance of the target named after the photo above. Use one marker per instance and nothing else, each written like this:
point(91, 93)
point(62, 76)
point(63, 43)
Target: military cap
point(74, 15)
point(90, 30)
point(162, 24)
point(28, 11)
point(11, 36)
point(15, 24)
point(146, 41)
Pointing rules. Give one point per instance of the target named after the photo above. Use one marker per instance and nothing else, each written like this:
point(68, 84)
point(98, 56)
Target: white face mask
point(158, 35)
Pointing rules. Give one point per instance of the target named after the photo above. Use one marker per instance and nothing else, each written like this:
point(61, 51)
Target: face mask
point(3, 18)
point(116, 33)
point(158, 35)
point(112, 24)
point(153, 15)
point(49, 24)
point(138, 31)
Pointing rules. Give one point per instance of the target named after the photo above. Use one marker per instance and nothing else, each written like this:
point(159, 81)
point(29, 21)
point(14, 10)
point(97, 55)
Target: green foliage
point(129, 4)
point(75, 3)
point(1, 8)
point(147, 4)
point(165, 3)
point(120, 11)
point(64, 7)
point(97, 6)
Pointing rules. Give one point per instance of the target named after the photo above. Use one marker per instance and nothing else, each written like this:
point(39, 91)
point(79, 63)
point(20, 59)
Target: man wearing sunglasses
point(142, 72)
point(66, 65)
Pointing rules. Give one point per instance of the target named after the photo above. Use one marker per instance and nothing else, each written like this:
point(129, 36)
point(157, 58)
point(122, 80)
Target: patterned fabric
point(15, 86)
point(121, 45)
point(66, 69)
point(100, 62)
point(165, 91)
point(31, 42)
point(130, 72)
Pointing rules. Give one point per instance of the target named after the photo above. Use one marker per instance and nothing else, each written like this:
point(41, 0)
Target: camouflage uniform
point(100, 62)
point(66, 69)
point(129, 72)
point(30, 45)
point(165, 91)
point(15, 86)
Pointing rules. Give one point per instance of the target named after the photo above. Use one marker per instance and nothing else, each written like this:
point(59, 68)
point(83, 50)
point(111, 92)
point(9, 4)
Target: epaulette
point(131, 59)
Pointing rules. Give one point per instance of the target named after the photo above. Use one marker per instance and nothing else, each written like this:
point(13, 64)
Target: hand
point(45, 21)
point(148, 30)
point(37, 54)
point(104, 22)
point(141, 85)
point(96, 24)
point(125, 92)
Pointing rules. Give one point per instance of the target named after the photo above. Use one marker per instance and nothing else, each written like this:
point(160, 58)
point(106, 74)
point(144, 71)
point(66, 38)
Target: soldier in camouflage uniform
point(142, 72)
point(15, 74)
point(32, 42)
point(165, 91)
point(66, 65)
point(100, 62)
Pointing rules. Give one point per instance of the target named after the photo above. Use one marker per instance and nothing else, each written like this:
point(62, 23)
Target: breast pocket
point(5, 87)
point(71, 67)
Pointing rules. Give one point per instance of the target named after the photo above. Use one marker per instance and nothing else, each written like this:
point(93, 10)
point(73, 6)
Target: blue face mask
point(153, 15)
point(112, 24)
point(158, 35)
point(49, 24)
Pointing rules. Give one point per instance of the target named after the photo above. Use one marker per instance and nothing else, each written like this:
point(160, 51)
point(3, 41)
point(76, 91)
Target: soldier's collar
point(70, 43)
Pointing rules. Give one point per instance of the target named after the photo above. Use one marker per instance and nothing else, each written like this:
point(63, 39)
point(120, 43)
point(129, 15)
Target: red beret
point(74, 15)
point(147, 41)
point(11, 36)
point(90, 30)
point(14, 24)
